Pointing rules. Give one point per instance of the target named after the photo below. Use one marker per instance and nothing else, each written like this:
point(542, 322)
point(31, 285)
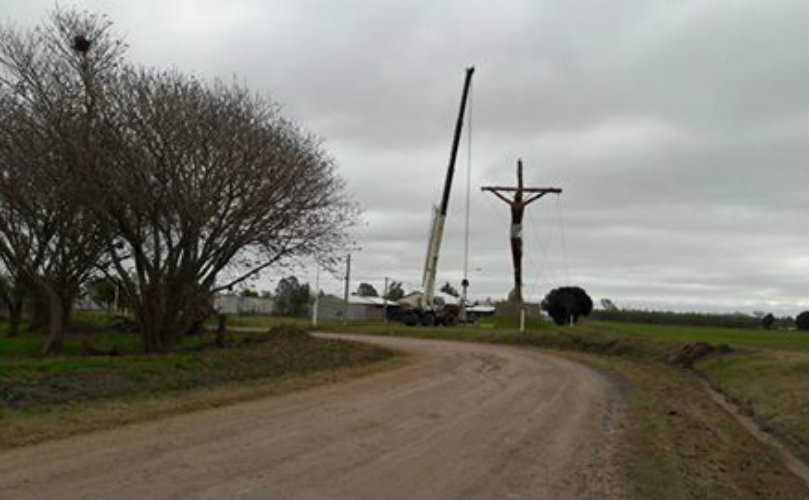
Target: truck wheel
point(427, 319)
point(410, 318)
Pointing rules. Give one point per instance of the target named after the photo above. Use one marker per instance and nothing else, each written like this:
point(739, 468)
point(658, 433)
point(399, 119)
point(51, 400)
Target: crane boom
point(440, 212)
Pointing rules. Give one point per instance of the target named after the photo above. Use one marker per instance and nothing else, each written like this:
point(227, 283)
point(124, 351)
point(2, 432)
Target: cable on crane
point(468, 182)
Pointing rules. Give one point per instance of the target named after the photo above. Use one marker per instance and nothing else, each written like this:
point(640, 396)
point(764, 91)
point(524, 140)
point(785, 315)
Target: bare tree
point(292, 297)
point(395, 291)
point(450, 290)
point(367, 290)
point(49, 78)
point(12, 294)
point(183, 183)
point(208, 181)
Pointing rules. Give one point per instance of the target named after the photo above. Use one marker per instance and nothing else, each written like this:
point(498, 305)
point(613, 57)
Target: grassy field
point(679, 445)
point(40, 395)
point(781, 340)
point(86, 326)
point(767, 376)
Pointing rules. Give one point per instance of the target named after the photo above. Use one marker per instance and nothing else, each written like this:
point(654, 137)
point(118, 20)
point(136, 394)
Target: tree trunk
point(38, 310)
point(158, 325)
point(56, 313)
point(15, 306)
point(166, 313)
point(149, 331)
point(67, 311)
point(221, 329)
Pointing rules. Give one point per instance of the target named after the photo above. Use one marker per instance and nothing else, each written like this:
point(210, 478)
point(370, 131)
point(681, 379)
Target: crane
point(424, 310)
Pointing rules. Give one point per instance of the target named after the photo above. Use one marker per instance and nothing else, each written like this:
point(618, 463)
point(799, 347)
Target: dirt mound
point(691, 353)
point(288, 333)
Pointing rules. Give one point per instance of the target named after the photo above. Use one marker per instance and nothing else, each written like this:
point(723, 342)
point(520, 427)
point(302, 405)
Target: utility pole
point(517, 205)
point(345, 292)
point(317, 294)
point(385, 303)
point(464, 287)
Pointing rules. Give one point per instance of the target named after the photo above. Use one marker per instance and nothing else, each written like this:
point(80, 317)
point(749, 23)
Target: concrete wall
point(236, 304)
point(331, 308)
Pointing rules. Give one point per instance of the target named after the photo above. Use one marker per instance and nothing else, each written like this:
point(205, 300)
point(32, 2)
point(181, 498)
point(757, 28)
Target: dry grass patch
point(680, 444)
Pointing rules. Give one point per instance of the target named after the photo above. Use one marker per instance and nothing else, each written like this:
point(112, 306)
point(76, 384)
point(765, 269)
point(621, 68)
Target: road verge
point(53, 398)
point(681, 443)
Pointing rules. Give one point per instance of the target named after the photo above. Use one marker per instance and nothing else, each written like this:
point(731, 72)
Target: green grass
point(768, 376)
point(772, 386)
point(39, 394)
point(31, 383)
point(29, 344)
point(29, 427)
point(258, 320)
point(678, 444)
point(756, 339)
point(34, 383)
point(101, 319)
point(92, 327)
point(86, 326)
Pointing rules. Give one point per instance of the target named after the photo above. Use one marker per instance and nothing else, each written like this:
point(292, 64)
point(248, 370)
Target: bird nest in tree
point(81, 44)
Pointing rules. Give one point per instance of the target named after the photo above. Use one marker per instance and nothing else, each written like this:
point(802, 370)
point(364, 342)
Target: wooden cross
point(518, 204)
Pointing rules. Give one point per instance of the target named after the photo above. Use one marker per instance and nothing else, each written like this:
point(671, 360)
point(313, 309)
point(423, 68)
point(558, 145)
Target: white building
point(237, 304)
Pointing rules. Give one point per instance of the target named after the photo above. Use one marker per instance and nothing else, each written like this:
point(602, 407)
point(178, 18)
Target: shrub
point(802, 321)
point(566, 304)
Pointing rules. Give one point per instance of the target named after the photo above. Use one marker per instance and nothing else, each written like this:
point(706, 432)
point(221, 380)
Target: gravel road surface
point(462, 420)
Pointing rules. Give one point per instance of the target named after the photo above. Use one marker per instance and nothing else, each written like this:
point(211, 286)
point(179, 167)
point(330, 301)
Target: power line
point(564, 244)
point(544, 250)
point(465, 281)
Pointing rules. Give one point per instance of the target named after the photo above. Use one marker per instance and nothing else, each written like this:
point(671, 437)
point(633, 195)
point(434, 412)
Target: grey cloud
point(677, 130)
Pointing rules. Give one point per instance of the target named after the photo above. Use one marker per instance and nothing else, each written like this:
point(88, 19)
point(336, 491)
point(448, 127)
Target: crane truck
point(426, 309)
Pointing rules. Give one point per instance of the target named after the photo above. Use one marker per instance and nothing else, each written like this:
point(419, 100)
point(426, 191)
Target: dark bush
point(802, 321)
point(567, 304)
point(737, 320)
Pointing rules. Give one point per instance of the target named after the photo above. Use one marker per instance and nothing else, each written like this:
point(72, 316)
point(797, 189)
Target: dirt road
point(460, 421)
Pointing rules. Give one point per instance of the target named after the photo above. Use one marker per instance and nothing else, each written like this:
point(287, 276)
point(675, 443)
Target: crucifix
point(522, 197)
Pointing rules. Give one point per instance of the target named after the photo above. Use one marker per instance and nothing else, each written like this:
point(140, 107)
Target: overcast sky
point(679, 132)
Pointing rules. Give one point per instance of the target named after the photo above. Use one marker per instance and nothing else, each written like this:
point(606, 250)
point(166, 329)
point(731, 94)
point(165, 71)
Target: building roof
point(448, 299)
point(480, 309)
point(370, 301)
